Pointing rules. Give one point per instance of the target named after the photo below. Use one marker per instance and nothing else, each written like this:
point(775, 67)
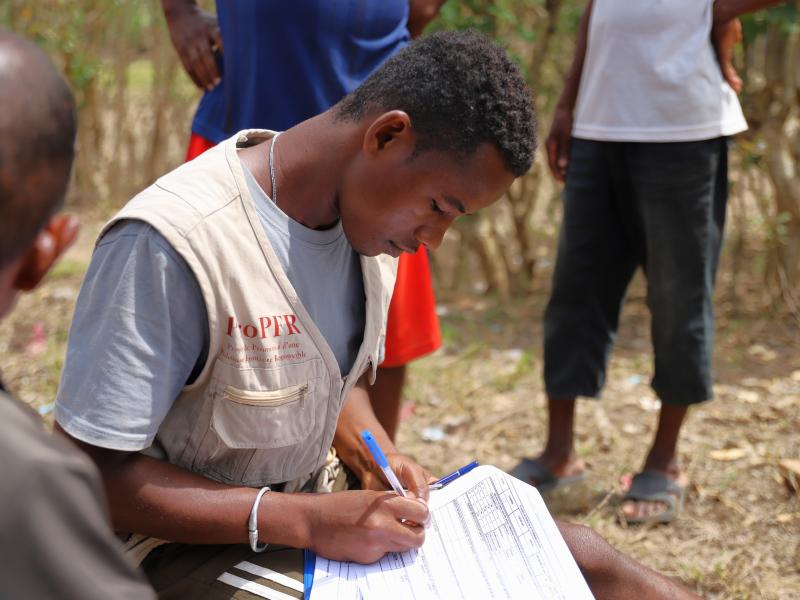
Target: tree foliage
point(136, 105)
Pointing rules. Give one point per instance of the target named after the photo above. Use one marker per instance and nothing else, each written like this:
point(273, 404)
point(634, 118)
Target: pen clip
point(455, 474)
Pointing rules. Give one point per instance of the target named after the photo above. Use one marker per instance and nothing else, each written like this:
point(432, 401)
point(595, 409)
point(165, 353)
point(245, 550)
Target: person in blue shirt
point(271, 65)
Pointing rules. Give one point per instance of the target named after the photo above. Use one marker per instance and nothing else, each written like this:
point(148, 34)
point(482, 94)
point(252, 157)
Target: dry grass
point(739, 535)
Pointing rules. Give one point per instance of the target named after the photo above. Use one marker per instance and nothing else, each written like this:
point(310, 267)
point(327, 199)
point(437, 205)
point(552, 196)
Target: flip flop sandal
point(534, 469)
point(652, 486)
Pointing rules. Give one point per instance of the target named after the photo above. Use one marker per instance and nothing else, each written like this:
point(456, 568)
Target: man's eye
point(435, 207)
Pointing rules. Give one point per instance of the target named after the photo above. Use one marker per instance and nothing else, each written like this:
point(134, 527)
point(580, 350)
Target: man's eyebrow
point(456, 203)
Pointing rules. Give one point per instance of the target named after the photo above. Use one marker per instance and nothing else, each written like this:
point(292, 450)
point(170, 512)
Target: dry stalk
point(600, 506)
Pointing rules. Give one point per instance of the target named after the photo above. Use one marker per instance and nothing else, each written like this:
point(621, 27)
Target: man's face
point(389, 204)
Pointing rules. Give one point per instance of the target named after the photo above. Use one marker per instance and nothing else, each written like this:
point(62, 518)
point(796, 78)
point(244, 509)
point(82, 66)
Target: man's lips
point(394, 250)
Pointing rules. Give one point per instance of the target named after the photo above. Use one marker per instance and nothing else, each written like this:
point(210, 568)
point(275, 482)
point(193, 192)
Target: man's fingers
point(209, 64)
point(406, 544)
point(407, 536)
point(557, 155)
point(732, 77)
point(216, 38)
point(563, 160)
point(416, 479)
point(552, 155)
point(203, 60)
point(188, 59)
point(408, 509)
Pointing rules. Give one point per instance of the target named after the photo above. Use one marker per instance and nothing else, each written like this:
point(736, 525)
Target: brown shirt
point(55, 538)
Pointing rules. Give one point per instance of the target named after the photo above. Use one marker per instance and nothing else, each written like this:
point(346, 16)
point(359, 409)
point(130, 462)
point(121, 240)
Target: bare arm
point(196, 36)
point(156, 498)
point(557, 143)
point(612, 575)
point(727, 32)
point(357, 415)
point(420, 13)
point(569, 94)
point(725, 10)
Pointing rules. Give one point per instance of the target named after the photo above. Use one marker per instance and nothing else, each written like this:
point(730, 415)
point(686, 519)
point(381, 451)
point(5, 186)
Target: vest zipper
point(267, 398)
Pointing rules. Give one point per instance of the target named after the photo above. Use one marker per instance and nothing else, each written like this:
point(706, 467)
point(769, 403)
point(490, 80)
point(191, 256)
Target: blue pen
point(454, 475)
point(380, 458)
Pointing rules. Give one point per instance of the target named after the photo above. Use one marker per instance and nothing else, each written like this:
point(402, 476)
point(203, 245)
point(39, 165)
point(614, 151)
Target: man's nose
point(431, 237)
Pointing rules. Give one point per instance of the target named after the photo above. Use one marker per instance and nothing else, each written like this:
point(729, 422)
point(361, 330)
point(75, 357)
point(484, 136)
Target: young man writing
point(233, 312)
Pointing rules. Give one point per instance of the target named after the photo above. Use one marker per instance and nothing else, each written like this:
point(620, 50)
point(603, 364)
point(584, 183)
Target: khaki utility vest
point(264, 408)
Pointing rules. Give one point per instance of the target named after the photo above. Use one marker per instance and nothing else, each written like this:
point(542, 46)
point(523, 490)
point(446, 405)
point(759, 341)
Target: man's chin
point(368, 250)
point(372, 250)
point(370, 254)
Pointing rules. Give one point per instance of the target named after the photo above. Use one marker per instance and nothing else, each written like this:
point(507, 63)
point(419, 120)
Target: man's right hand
point(363, 525)
point(195, 35)
point(558, 141)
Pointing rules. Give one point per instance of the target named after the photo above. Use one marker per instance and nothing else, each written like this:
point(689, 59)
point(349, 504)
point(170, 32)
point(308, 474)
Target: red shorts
point(197, 145)
point(413, 327)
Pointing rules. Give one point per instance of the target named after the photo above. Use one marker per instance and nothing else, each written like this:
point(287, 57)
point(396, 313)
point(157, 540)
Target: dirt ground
point(481, 397)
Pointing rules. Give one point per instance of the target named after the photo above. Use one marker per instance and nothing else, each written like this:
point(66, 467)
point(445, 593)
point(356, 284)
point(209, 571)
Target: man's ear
point(389, 129)
point(51, 242)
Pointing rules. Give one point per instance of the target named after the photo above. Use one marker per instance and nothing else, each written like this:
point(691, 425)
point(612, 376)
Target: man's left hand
point(411, 475)
point(725, 34)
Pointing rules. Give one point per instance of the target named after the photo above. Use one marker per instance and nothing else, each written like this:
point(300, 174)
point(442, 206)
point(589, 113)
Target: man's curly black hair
point(460, 90)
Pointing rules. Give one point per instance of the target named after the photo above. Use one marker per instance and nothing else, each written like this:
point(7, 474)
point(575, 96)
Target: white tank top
point(651, 75)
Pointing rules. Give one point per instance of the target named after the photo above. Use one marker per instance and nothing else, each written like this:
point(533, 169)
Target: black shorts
point(660, 206)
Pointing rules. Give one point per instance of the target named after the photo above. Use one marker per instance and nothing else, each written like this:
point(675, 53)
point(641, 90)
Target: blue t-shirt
point(286, 61)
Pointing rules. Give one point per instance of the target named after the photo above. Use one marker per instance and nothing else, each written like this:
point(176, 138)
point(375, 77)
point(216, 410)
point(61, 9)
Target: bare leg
point(662, 458)
point(612, 575)
point(386, 395)
point(559, 452)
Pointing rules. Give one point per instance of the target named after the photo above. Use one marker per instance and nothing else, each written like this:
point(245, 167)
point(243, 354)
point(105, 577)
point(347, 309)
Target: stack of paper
point(491, 537)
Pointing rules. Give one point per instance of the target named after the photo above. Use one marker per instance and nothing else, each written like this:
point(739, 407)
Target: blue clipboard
point(310, 559)
point(309, 562)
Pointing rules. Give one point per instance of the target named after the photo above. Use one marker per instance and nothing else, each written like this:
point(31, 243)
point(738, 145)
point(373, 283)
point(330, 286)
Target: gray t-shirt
point(140, 328)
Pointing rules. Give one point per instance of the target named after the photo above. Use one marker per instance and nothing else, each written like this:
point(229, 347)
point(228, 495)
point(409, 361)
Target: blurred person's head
point(449, 124)
point(37, 145)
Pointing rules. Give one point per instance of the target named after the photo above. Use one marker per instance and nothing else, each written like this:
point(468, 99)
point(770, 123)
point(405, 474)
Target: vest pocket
point(247, 423)
point(263, 419)
point(295, 393)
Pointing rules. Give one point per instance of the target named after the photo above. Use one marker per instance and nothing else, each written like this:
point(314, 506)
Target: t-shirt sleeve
point(55, 539)
point(139, 333)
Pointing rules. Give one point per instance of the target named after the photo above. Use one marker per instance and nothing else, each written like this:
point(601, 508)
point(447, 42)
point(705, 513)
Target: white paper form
point(491, 538)
point(334, 580)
